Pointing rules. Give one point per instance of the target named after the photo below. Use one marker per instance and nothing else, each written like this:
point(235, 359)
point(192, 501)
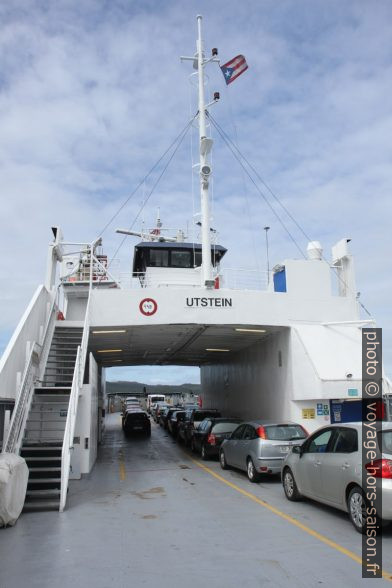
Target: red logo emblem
point(148, 306)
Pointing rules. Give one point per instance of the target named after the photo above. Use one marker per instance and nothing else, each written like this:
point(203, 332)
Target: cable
point(184, 132)
point(185, 129)
point(228, 143)
point(233, 147)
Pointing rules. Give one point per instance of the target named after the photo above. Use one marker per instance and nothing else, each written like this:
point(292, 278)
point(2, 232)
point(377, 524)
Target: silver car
point(328, 468)
point(259, 447)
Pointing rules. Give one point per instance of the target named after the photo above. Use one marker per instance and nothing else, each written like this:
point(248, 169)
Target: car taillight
point(261, 432)
point(211, 439)
point(380, 468)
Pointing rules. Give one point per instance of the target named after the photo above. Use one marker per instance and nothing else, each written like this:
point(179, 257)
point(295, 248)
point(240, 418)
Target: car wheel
point(290, 487)
point(357, 509)
point(204, 454)
point(253, 475)
point(222, 460)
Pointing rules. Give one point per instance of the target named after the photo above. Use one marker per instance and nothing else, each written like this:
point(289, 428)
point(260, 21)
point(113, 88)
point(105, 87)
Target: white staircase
point(45, 426)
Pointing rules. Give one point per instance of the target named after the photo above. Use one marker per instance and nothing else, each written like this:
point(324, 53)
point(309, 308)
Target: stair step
point(45, 480)
point(42, 461)
point(47, 470)
point(41, 505)
point(44, 493)
point(41, 448)
point(51, 398)
point(40, 427)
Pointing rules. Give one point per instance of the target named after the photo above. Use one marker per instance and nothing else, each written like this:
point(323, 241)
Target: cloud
point(92, 93)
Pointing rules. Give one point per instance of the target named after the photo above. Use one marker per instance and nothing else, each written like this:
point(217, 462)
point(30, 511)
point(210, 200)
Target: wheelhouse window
point(197, 261)
point(159, 258)
point(181, 259)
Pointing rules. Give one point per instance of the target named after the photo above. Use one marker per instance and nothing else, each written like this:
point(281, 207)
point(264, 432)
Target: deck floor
point(149, 515)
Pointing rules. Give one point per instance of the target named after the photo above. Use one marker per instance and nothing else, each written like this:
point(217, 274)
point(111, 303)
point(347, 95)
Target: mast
point(199, 63)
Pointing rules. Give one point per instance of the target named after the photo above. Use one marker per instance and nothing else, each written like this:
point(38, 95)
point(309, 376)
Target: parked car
point(175, 418)
point(156, 408)
point(328, 468)
point(209, 435)
point(193, 418)
point(136, 422)
point(165, 415)
point(259, 447)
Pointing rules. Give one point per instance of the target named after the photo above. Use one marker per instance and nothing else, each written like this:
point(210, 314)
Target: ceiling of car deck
point(172, 344)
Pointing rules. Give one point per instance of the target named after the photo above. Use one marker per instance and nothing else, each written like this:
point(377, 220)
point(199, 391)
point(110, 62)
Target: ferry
point(286, 346)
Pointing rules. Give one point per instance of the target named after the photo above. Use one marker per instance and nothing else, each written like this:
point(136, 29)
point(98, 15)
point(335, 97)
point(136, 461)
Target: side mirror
point(298, 449)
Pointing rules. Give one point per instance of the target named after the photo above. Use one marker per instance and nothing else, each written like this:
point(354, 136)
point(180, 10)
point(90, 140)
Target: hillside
point(122, 387)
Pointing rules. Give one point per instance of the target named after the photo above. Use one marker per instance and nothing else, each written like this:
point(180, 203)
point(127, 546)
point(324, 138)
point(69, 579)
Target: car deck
point(153, 514)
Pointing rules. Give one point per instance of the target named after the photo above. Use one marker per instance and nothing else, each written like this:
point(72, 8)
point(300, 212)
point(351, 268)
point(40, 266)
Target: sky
point(92, 93)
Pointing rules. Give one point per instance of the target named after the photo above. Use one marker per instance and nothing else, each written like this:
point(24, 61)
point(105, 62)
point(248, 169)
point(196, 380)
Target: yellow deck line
point(121, 465)
point(290, 519)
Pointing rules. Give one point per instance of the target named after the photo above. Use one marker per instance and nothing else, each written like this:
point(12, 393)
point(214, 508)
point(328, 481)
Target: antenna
point(267, 253)
point(199, 62)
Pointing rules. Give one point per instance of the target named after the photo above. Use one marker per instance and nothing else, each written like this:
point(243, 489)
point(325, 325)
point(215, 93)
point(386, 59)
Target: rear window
point(137, 416)
point(284, 432)
point(200, 415)
point(224, 427)
point(386, 442)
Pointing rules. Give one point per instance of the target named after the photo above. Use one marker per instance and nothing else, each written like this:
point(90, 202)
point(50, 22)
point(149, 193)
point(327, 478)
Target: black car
point(175, 418)
point(208, 436)
point(193, 418)
point(165, 415)
point(136, 422)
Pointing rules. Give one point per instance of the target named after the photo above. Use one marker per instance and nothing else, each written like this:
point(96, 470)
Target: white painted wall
point(253, 384)
point(86, 426)
point(76, 308)
point(314, 359)
point(30, 328)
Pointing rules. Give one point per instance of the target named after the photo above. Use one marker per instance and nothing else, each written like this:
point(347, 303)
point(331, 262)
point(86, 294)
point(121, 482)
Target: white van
point(153, 399)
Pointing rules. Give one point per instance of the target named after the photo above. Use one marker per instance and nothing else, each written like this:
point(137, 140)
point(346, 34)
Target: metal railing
point(230, 278)
point(14, 436)
point(34, 367)
point(77, 383)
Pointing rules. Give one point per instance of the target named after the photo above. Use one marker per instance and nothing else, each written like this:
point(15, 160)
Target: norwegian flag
point(234, 68)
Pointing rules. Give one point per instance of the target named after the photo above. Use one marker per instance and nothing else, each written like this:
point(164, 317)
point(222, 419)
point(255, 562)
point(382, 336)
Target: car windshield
point(284, 432)
point(224, 427)
point(386, 442)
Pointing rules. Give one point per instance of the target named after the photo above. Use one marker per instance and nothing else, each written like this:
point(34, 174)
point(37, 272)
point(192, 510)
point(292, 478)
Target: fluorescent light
point(117, 360)
point(210, 349)
point(251, 330)
point(109, 350)
point(104, 332)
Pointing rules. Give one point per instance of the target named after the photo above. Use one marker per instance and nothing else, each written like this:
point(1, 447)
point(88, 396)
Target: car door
point(244, 447)
point(308, 470)
point(338, 467)
point(230, 446)
point(199, 433)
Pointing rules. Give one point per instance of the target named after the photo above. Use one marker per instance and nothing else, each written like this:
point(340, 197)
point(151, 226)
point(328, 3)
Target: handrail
point(13, 439)
point(46, 339)
point(69, 431)
point(37, 359)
